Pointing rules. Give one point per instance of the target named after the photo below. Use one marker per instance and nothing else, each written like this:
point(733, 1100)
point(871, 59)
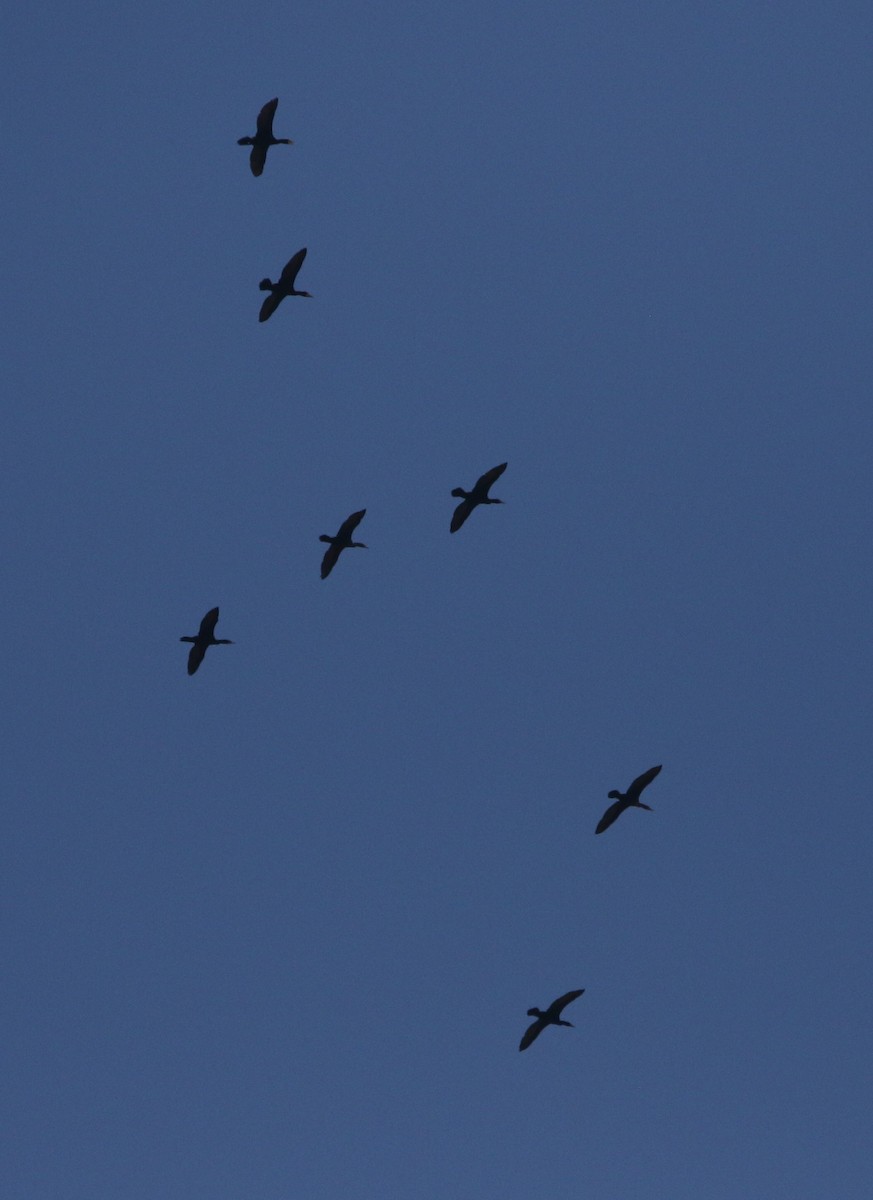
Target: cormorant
point(552, 1016)
point(479, 495)
point(628, 799)
point(284, 286)
point(342, 541)
point(204, 639)
point(263, 139)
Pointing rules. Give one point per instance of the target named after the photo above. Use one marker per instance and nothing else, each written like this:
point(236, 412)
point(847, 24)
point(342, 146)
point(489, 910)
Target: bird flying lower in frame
point(284, 286)
point(204, 639)
point(552, 1016)
point(628, 799)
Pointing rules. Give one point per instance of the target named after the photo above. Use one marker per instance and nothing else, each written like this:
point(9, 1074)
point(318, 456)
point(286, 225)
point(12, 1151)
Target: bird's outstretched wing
point(270, 305)
point(207, 625)
point(484, 482)
point(195, 656)
point(350, 524)
point(291, 268)
point(642, 781)
point(531, 1033)
point(328, 563)
point(460, 515)
point(612, 814)
point(265, 117)
point(258, 158)
point(558, 1006)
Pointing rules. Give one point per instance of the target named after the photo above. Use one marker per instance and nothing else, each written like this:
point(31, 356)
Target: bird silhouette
point(263, 139)
point(204, 639)
point(552, 1016)
point(342, 541)
point(479, 495)
point(284, 286)
point(628, 799)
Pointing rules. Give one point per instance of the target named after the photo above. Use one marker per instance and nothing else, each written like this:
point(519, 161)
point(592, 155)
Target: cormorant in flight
point(479, 495)
point(552, 1016)
point(204, 639)
point(628, 799)
point(263, 139)
point(342, 541)
point(284, 286)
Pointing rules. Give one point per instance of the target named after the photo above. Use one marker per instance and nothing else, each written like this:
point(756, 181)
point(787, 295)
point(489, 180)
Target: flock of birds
point(342, 540)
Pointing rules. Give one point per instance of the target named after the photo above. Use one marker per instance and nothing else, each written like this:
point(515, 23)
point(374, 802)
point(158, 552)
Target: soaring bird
point(284, 286)
point(479, 495)
point(263, 139)
point(628, 799)
point(342, 541)
point(552, 1016)
point(204, 639)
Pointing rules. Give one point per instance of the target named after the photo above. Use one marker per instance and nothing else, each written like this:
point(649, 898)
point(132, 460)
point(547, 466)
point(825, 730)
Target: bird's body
point(628, 799)
point(284, 286)
point(263, 139)
point(204, 639)
point(342, 541)
point(552, 1016)
point(479, 495)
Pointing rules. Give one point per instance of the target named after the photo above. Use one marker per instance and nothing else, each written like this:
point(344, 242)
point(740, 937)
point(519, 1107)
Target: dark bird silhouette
point(263, 139)
point(284, 286)
point(552, 1016)
point(479, 495)
point(342, 541)
point(204, 639)
point(628, 799)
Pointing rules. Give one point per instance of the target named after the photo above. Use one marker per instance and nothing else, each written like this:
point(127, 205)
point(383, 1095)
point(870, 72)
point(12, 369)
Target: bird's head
point(266, 285)
point(534, 1012)
point(460, 493)
point(325, 537)
point(246, 141)
point(613, 795)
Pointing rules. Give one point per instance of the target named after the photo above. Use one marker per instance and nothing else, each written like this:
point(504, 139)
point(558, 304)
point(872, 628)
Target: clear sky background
point(271, 931)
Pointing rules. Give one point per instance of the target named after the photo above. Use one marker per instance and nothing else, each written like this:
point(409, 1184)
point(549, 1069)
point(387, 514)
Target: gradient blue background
point(271, 932)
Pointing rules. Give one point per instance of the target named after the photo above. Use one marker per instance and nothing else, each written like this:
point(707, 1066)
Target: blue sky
point(272, 931)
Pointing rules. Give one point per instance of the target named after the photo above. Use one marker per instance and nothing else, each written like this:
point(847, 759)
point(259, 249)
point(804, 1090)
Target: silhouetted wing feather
point(558, 1006)
point(265, 117)
point(195, 657)
point(484, 481)
point(531, 1033)
point(207, 625)
point(291, 268)
point(329, 561)
point(350, 524)
point(642, 781)
point(612, 814)
point(460, 515)
point(258, 158)
point(270, 305)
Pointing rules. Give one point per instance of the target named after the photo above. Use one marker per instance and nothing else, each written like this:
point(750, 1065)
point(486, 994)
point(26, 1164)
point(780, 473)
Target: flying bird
point(628, 799)
point(284, 286)
point(263, 139)
point(204, 639)
point(342, 541)
point(552, 1016)
point(479, 495)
